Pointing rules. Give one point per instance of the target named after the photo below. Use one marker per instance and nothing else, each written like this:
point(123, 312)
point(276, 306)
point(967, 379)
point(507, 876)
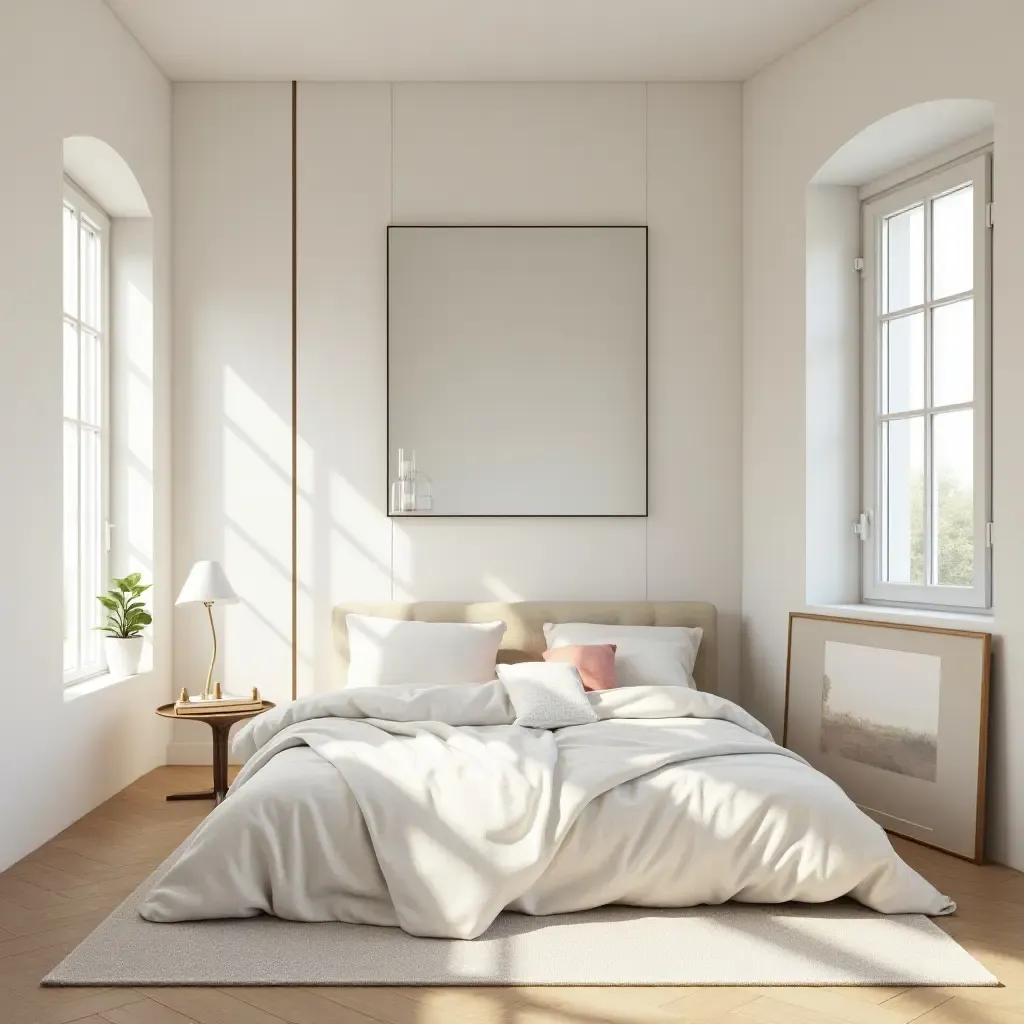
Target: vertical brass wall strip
point(295, 406)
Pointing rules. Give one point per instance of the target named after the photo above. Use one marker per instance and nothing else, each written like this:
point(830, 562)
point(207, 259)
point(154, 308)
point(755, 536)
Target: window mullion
point(913, 414)
point(79, 640)
point(880, 484)
point(900, 314)
point(930, 574)
point(881, 567)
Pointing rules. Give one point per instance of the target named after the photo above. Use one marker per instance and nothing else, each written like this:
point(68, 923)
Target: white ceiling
point(473, 40)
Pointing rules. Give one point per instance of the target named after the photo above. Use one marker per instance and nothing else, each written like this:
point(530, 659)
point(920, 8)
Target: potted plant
point(126, 618)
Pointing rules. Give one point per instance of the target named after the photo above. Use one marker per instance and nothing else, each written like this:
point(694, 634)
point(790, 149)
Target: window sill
point(981, 621)
point(105, 680)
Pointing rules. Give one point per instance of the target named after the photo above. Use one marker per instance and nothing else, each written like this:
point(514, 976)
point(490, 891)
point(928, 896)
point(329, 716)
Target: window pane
point(70, 262)
point(90, 536)
point(953, 243)
point(70, 547)
point(91, 278)
point(903, 260)
point(92, 377)
point(953, 353)
point(903, 363)
point(953, 442)
point(70, 370)
point(903, 497)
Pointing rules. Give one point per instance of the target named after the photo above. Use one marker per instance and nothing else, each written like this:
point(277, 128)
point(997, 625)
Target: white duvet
point(427, 809)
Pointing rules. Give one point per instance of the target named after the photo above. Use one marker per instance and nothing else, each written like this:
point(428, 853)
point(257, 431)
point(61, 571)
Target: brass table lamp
point(207, 583)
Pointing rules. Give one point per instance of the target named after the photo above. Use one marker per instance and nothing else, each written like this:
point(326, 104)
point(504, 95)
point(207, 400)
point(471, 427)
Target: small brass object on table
point(216, 691)
point(255, 693)
point(183, 696)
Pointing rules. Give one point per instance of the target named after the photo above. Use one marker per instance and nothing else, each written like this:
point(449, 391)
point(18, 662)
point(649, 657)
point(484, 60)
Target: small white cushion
point(392, 652)
point(644, 655)
point(547, 694)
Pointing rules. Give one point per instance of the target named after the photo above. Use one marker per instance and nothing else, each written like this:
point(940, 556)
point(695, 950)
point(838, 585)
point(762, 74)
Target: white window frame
point(977, 170)
point(89, 609)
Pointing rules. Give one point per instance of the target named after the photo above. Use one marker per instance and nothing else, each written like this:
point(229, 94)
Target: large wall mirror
point(517, 371)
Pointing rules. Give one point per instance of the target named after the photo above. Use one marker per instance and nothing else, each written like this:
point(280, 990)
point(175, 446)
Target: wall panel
point(524, 153)
point(232, 395)
point(371, 154)
point(344, 179)
point(694, 176)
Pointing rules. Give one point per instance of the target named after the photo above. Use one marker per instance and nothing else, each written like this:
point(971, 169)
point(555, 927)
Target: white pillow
point(390, 652)
point(644, 655)
point(547, 694)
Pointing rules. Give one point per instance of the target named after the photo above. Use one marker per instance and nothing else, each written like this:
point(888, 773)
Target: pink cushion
point(594, 662)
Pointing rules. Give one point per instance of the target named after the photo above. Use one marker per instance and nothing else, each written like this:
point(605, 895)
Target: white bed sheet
point(427, 810)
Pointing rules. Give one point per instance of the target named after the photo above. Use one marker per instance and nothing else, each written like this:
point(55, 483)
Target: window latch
point(862, 528)
point(107, 529)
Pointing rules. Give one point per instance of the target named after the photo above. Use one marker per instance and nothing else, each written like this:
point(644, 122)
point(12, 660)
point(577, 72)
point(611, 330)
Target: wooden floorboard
point(54, 897)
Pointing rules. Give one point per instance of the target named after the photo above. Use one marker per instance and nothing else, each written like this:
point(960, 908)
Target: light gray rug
point(835, 944)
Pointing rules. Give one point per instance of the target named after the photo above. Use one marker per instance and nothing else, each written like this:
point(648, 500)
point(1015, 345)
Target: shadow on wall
point(362, 548)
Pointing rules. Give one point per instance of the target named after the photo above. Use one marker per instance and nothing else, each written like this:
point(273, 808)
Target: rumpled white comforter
point(427, 809)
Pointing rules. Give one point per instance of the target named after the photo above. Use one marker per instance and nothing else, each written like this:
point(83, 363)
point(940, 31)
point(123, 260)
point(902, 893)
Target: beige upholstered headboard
point(524, 637)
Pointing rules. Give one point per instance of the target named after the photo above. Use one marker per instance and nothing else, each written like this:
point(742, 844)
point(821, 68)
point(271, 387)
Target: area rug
point(796, 944)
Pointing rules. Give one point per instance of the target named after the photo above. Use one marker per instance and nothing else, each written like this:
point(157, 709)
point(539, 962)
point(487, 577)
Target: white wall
point(797, 113)
point(59, 759)
point(833, 393)
point(132, 402)
point(232, 385)
point(373, 154)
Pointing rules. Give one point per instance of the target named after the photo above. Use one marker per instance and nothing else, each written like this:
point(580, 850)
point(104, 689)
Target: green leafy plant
point(126, 614)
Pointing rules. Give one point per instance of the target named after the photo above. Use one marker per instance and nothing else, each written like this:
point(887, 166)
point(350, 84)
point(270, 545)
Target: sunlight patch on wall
point(403, 564)
point(140, 519)
point(500, 589)
point(360, 542)
point(138, 390)
point(264, 429)
point(305, 567)
point(139, 313)
point(256, 502)
point(256, 647)
point(132, 451)
point(257, 499)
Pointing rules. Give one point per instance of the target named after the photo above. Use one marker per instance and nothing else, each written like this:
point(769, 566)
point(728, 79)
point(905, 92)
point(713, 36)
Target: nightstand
point(220, 722)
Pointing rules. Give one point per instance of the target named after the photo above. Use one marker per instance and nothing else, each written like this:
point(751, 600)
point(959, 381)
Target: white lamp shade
point(207, 583)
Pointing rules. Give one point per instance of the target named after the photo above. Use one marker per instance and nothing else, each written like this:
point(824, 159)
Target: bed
point(427, 808)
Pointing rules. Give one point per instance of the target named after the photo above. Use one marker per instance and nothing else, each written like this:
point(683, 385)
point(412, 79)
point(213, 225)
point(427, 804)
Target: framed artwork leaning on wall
point(898, 716)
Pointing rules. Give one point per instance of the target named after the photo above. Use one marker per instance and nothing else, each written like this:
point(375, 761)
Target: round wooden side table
point(220, 722)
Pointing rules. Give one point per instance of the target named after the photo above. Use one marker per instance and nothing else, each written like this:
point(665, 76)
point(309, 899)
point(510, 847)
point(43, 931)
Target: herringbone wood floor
point(57, 895)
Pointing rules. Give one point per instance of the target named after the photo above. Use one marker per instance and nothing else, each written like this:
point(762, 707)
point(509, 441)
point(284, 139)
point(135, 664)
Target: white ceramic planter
point(123, 655)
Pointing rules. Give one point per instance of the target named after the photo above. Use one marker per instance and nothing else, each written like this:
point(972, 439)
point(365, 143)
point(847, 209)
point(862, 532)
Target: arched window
point(899, 262)
point(107, 390)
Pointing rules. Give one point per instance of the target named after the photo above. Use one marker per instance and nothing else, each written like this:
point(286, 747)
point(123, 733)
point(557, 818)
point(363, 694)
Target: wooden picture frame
point(897, 715)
